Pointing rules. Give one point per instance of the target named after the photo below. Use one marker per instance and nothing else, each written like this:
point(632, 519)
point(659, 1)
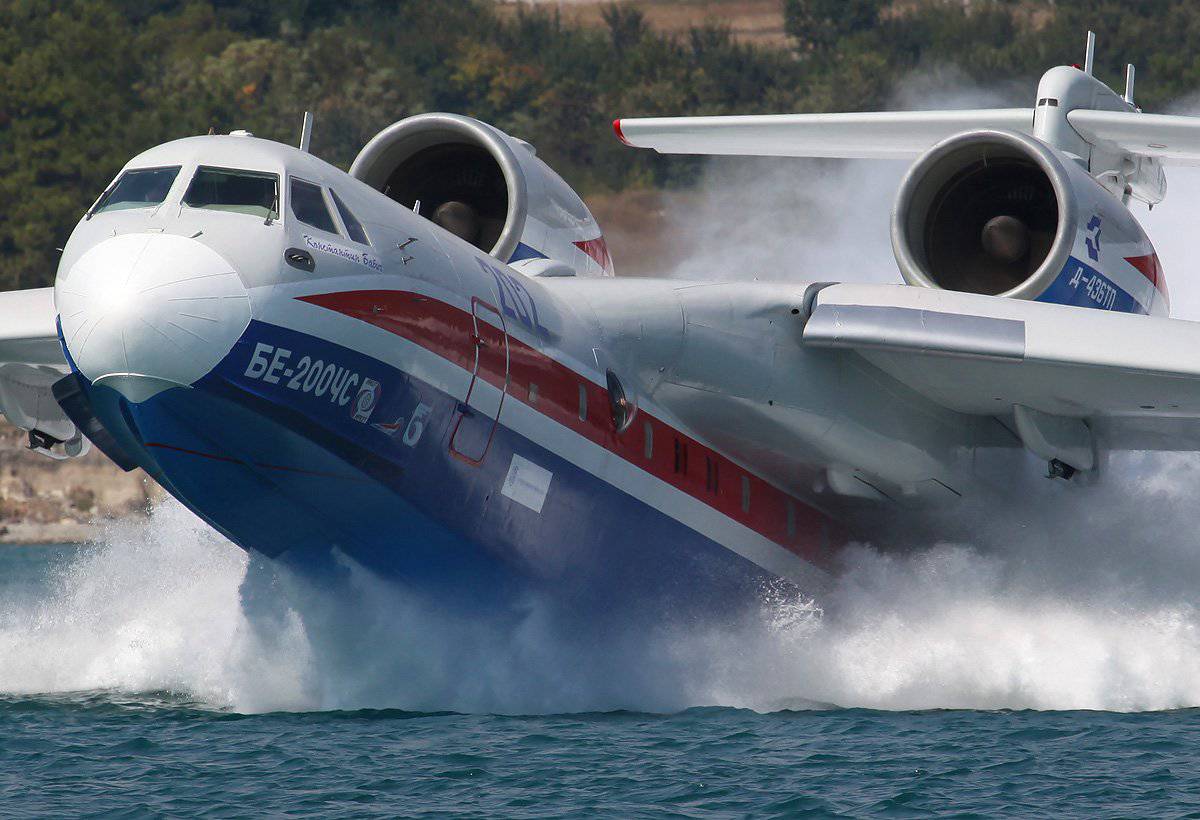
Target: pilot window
point(239, 192)
point(309, 206)
point(138, 188)
point(353, 227)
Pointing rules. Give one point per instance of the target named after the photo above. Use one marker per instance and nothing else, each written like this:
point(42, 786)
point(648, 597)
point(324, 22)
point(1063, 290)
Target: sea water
point(1053, 677)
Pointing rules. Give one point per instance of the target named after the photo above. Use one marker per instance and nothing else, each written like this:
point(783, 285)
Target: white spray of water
point(155, 608)
point(1094, 610)
point(1057, 623)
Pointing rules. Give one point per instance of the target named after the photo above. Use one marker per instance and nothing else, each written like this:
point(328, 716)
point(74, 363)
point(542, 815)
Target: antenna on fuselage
point(1129, 72)
point(1089, 57)
point(306, 131)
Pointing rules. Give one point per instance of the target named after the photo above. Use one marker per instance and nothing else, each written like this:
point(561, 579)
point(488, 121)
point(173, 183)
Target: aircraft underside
point(305, 487)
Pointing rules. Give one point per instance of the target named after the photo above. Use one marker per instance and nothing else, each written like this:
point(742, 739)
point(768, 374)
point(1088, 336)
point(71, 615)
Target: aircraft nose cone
point(145, 312)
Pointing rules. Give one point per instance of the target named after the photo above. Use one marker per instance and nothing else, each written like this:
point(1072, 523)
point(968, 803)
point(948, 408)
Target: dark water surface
point(123, 693)
point(127, 754)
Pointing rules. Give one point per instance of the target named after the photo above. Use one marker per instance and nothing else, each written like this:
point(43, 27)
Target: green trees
point(66, 83)
point(820, 25)
point(86, 84)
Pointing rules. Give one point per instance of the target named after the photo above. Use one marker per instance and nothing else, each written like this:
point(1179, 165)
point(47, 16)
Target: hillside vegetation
point(750, 21)
point(85, 84)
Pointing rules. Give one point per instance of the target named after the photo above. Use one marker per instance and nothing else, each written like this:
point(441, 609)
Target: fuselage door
point(479, 413)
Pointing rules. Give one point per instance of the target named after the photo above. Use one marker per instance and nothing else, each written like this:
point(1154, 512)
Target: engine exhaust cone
point(1005, 238)
point(459, 218)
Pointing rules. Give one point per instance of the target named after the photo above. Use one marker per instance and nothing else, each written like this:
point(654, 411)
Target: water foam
point(155, 607)
point(1050, 625)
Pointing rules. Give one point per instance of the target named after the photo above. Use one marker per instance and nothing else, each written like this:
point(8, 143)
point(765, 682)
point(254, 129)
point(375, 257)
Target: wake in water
point(1096, 616)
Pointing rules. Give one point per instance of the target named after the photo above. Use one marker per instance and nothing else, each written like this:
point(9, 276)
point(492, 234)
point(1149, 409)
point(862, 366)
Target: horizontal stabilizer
point(871, 135)
point(1172, 139)
point(1134, 379)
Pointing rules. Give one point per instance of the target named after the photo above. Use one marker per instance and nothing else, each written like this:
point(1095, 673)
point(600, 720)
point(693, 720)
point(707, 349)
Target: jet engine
point(487, 188)
point(1003, 214)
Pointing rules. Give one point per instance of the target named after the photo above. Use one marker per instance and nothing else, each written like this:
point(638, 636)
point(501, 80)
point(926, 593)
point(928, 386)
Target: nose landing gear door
point(479, 413)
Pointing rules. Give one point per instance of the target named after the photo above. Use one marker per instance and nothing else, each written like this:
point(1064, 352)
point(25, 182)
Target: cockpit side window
point(309, 206)
point(138, 188)
point(353, 227)
point(242, 192)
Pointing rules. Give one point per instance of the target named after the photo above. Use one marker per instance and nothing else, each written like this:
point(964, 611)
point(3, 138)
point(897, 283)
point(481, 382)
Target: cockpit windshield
point(138, 188)
point(353, 226)
point(244, 192)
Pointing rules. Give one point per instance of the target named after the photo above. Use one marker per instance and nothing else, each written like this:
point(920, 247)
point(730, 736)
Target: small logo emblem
point(368, 397)
point(391, 429)
point(1093, 241)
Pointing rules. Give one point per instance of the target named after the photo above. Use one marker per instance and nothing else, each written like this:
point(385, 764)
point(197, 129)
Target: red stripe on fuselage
point(1151, 268)
point(553, 389)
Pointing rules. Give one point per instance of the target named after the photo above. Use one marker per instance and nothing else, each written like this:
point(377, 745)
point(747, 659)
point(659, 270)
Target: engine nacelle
point(1003, 214)
point(487, 188)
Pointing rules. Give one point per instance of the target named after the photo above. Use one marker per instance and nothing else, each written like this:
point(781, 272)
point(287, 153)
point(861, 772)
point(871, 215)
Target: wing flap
point(984, 355)
point(870, 135)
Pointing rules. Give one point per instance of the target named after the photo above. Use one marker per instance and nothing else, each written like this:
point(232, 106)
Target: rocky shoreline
point(43, 501)
point(27, 533)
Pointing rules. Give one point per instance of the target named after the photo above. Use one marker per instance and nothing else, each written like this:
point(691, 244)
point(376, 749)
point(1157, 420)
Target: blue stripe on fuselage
point(1082, 285)
point(292, 473)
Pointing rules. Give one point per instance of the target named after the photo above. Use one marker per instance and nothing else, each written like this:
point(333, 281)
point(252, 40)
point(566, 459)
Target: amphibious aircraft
point(427, 365)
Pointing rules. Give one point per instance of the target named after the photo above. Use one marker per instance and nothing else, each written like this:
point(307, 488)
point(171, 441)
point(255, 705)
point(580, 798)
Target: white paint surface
point(527, 483)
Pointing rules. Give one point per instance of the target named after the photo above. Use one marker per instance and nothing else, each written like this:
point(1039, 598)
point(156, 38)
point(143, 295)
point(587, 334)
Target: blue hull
point(298, 478)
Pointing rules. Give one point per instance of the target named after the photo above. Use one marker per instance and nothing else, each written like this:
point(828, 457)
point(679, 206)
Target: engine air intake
point(986, 212)
point(487, 188)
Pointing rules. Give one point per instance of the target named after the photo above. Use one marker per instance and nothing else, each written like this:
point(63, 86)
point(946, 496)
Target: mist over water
point(1092, 606)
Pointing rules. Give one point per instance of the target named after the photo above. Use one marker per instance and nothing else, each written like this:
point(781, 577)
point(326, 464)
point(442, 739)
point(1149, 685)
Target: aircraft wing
point(1135, 380)
point(28, 331)
point(31, 361)
point(871, 135)
point(1173, 139)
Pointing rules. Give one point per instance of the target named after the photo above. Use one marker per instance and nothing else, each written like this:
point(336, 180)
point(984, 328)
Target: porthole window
point(680, 457)
point(582, 403)
point(712, 475)
point(745, 494)
point(648, 429)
